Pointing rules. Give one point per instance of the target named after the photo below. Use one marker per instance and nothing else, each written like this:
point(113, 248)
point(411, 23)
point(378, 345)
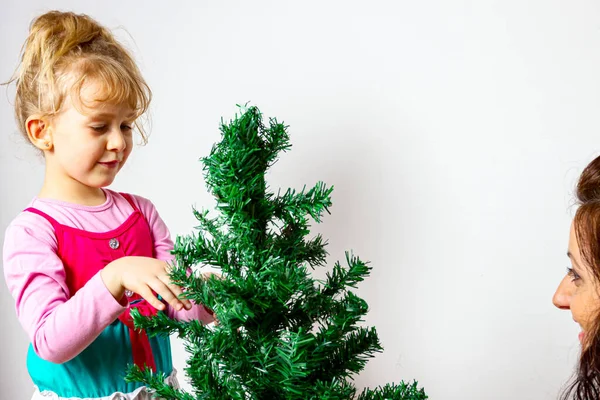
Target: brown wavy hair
point(62, 52)
point(586, 382)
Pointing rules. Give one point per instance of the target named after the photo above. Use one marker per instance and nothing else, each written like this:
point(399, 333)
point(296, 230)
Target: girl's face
point(578, 291)
point(89, 148)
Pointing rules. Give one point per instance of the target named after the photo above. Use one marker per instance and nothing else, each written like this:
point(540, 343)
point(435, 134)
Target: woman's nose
point(562, 296)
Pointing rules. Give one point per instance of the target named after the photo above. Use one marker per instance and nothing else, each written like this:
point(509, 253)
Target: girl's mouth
point(110, 164)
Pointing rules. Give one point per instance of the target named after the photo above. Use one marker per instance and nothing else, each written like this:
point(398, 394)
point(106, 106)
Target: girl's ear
point(39, 133)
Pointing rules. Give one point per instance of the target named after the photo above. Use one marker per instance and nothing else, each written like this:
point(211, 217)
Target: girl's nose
point(116, 141)
point(562, 296)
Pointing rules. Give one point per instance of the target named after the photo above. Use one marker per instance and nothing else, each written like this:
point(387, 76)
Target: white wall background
point(453, 132)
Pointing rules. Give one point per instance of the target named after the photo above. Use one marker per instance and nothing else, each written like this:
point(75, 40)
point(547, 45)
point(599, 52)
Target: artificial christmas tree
point(281, 334)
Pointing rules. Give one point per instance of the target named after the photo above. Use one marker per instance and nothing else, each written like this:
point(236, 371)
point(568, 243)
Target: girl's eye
point(99, 128)
point(126, 127)
point(574, 275)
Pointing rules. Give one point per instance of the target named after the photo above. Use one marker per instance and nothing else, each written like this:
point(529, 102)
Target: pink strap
point(129, 200)
point(51, 220)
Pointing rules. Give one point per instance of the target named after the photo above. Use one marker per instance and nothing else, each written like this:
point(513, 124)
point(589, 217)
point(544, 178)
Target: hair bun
point(588, 187)
point(55, 34)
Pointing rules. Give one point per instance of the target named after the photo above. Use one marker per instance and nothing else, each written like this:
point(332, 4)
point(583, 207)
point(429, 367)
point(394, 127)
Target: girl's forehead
point(108, 110)
point(94, 95)
point(93, 99)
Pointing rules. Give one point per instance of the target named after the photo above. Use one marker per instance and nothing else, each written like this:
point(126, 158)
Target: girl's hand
point(142, 275)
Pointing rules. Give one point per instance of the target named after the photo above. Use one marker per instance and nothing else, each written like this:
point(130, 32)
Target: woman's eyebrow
point(570, 255)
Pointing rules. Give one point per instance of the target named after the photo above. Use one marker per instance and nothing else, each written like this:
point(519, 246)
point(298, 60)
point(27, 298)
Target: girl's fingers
point(147, 294)
point(174, 288)
point(163, 289)
point(177, 292)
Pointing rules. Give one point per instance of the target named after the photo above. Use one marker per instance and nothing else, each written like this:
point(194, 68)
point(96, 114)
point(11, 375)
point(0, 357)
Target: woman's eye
point(574, 275)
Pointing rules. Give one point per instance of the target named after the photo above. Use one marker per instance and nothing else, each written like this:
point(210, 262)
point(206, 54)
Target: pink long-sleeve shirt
point(59, 325)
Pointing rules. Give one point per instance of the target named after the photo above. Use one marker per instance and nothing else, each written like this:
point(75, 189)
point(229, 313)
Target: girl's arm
point(59, 326)
point(162, 250)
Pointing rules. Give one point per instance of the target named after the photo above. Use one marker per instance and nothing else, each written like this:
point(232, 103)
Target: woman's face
point(578, 291)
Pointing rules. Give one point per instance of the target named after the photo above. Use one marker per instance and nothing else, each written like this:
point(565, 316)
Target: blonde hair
point(65, 50)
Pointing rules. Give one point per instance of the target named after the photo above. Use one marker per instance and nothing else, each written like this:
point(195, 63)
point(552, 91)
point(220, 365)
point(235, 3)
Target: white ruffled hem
point(138, 394)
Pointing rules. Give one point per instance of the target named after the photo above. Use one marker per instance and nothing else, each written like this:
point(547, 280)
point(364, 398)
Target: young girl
point(80, 256)
point(579, 291)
